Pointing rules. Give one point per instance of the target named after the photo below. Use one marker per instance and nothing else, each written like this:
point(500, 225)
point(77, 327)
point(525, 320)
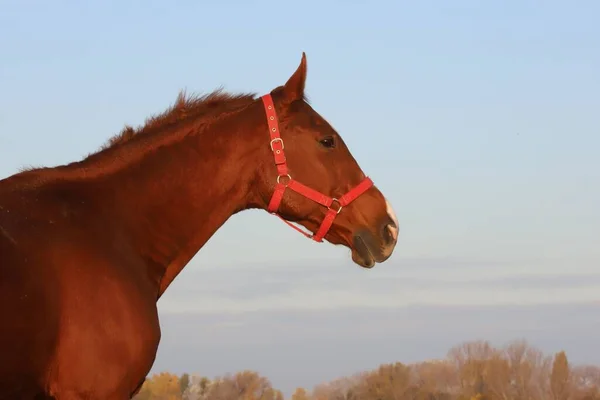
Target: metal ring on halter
point(277, 140)
point(288, 176)
point(339, 204)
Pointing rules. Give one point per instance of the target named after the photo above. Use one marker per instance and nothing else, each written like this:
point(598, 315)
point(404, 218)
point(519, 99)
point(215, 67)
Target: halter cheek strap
point(285, 181)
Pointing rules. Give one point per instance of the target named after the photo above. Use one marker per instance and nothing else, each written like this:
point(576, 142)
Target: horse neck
point(178, 195)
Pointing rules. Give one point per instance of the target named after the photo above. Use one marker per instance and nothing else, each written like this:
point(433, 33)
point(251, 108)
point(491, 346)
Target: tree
point(184, 382)
point(586, 382)
point(529, 371)
point(300, 394)
point(434, 379)
point(244, 385)
point(389, 381)
point(470, 361)
point(162, 386)
point(559, 379)
point(197, 389)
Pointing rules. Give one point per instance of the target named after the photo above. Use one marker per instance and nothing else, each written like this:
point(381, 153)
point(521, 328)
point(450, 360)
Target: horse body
point(88, 248)
point(69, 305)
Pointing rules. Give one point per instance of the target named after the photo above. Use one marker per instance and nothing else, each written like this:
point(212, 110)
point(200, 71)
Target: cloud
point(332, 285)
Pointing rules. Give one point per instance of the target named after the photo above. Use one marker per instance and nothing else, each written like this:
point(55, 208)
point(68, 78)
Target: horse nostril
point(390, 231)
point(387, 234)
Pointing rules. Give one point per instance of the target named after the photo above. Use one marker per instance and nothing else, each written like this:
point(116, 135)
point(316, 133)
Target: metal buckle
point(277, 140)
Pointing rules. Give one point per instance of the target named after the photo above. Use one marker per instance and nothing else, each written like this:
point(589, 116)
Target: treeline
point(471, 371)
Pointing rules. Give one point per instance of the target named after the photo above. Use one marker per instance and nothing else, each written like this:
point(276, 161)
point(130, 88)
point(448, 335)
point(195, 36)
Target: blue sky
point(479, 121)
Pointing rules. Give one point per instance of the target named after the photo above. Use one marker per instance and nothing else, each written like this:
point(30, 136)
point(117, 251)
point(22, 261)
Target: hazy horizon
point(308, 347)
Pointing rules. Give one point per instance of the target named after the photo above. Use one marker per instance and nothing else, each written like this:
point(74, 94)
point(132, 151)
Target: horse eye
point(327, 142)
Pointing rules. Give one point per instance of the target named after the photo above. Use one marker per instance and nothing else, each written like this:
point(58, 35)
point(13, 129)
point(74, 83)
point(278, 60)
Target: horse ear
point(294, 87)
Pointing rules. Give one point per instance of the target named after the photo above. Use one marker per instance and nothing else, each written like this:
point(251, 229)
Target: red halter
point(282, 172)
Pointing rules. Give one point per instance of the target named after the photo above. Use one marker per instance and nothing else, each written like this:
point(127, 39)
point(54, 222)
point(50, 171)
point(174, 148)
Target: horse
point(88, 247)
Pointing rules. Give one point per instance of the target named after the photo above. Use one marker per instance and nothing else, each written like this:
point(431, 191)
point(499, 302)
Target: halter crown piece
point(277, 147)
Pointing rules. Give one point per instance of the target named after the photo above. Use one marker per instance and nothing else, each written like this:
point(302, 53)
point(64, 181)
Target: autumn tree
point(300, 394)
point(184, 382)
point(559, 378)
point(586, 382)
point(470, 360)
point(434, 380)
point(389, 381)
point(197, 389)
point(529, 371)
point(244, 385)
point(161, 386)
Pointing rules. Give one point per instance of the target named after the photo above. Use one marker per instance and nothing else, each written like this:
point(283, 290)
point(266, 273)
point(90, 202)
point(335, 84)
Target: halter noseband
point(333, 210)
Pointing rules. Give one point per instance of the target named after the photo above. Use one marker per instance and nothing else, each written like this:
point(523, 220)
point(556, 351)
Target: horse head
point(310, 177)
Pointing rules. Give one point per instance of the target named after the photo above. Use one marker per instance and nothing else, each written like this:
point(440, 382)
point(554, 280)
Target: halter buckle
point(277, 140)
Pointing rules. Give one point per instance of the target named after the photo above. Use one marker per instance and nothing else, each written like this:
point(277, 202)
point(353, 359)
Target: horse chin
point(361, 254)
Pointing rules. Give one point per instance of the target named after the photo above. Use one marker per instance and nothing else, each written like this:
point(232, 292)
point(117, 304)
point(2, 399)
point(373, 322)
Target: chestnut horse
point(87, 248)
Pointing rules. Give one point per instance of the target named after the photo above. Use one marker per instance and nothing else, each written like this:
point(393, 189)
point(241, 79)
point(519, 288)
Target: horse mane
point(208, 106)
point(202, 108)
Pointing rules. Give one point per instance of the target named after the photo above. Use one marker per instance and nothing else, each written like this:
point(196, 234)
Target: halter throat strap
point(285, 181)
